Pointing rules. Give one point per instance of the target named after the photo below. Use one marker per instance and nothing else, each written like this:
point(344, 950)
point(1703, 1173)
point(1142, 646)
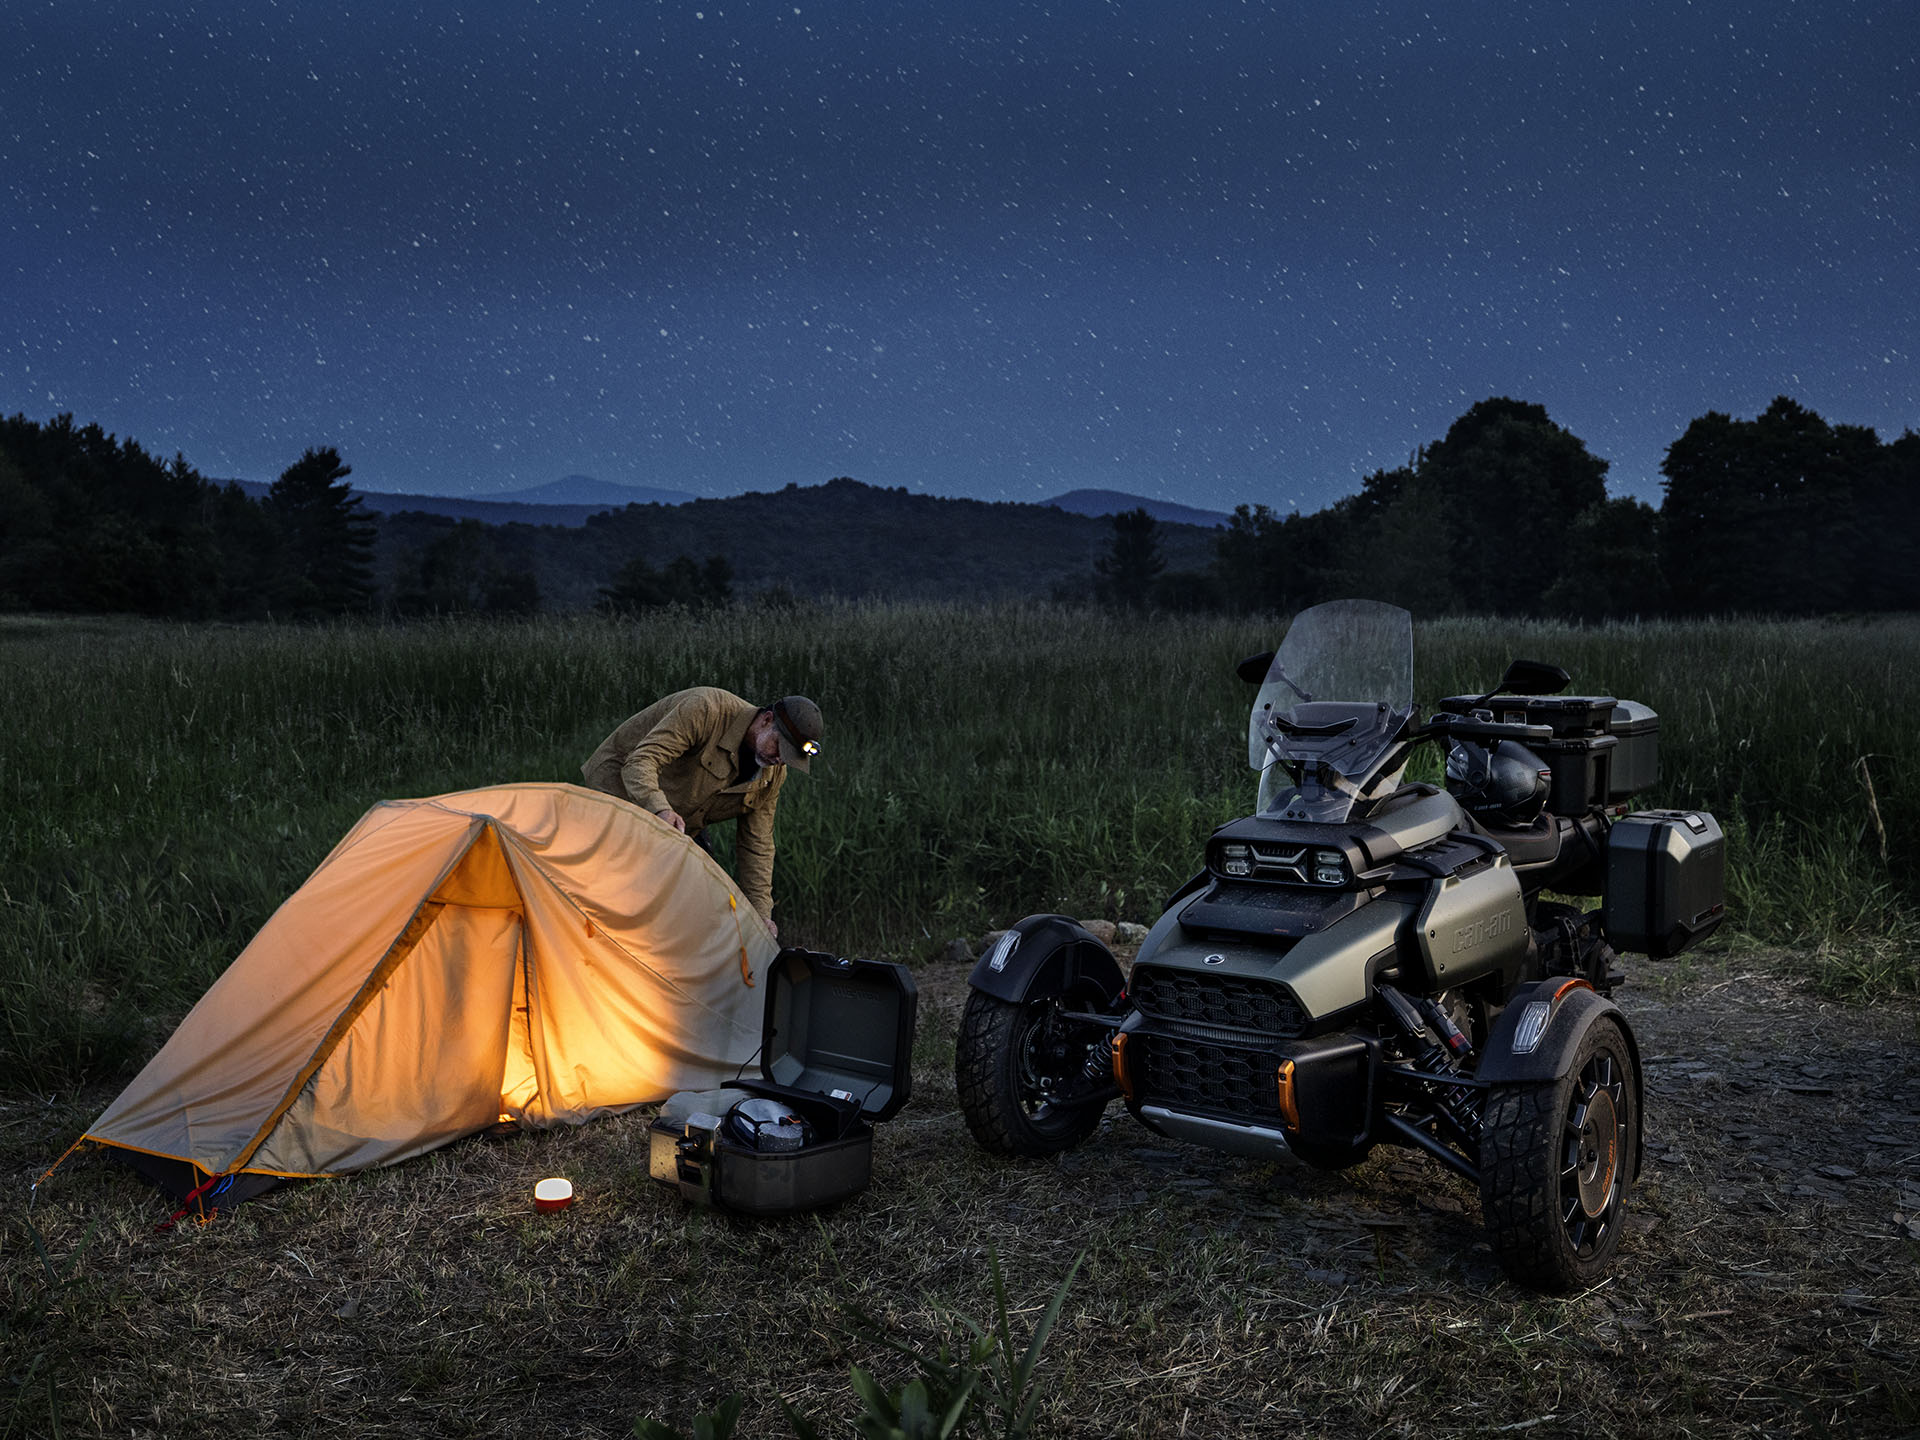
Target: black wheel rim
point(1049, 1061)
point(1593, 1158)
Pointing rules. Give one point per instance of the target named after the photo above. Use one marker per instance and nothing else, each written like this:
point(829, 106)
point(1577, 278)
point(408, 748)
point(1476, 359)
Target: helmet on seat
point(1506, 784)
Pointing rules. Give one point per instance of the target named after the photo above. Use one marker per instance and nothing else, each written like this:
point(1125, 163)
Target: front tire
point(1557, 1165)
point(1012, 1060)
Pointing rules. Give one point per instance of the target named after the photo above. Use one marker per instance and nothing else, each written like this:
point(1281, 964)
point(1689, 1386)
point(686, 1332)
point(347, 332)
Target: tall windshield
point(1336, 696)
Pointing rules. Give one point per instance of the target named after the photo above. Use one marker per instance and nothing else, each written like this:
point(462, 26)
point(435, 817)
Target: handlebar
point(1464, 727)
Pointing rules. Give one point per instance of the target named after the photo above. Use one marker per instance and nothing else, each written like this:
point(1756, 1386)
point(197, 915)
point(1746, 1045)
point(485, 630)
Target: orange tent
point(541, 953)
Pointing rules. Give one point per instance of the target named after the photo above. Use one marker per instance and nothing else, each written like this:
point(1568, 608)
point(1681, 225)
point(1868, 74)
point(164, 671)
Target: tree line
point(1507, 513)
point(94, 524)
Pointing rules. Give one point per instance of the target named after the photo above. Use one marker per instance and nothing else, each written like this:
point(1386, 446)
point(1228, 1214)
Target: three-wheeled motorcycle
point(1366, 960)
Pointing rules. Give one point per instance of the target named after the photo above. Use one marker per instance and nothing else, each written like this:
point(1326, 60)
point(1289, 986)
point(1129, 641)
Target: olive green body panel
point(1327, 971)
point(1451, 930)
point(1472, 924)
point(1421, 821)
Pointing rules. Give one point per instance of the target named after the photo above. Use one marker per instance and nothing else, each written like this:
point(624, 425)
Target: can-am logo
point(1214, 960)
point(1003, 952)
point(1494, 926)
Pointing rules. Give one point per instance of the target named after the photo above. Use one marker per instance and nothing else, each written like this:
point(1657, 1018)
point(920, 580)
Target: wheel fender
point(1573, 1007)
point(1046, 955)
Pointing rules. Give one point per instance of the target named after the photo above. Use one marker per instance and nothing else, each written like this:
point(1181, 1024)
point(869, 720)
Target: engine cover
point(1471, 922)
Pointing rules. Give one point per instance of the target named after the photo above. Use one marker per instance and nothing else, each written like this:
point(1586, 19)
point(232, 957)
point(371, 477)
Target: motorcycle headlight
point(1329, 867)
point(1236, 860)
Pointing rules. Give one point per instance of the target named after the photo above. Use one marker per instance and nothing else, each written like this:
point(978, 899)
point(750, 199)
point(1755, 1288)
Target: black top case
point(836, 1049)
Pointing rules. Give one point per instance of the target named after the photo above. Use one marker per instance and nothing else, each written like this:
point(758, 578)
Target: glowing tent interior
point(541, 953)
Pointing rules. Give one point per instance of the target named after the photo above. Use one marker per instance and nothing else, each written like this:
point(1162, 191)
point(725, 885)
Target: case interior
point(835, 1024)
point(836, 1046)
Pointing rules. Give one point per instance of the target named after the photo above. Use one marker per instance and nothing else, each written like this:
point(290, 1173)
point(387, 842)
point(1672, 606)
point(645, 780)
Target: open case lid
point(840, 1024)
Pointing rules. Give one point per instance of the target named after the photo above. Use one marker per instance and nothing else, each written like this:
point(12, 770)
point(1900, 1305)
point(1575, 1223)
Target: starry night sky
point(1206, 252)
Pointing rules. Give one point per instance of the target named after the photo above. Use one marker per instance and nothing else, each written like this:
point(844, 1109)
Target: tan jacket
point(683, 752)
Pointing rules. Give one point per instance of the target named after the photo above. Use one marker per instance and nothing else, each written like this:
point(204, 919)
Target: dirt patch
point(1770, 1281)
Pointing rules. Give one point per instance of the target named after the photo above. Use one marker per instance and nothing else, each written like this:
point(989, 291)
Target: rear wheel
point(1557, 1163)
point(1013, 1064)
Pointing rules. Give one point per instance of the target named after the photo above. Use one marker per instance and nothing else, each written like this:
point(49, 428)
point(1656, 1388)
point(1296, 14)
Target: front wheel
point(1557, 1164)
point(1014, 1063)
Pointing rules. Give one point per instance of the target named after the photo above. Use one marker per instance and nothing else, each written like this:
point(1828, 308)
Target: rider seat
point(1528, 846)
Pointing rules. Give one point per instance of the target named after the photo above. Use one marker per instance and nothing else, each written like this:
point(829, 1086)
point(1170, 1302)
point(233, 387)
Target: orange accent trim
point(402, 947)
point(1122, 1072)
point(1570, 985)
point(746, 969)
point(1289, 1107)
point(285, 1174)
point(61, 1161)
point(237, 1170)
point(143, 1150)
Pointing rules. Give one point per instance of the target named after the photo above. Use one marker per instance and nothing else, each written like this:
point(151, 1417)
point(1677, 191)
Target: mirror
point(1254, 668)
point(1533, 677)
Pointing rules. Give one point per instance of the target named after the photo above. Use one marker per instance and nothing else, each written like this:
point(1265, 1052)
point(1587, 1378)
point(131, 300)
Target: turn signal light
point(1289, 1108)
point(1122, 1072)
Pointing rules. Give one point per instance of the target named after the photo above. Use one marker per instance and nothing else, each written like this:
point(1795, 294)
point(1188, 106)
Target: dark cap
point(797, 719)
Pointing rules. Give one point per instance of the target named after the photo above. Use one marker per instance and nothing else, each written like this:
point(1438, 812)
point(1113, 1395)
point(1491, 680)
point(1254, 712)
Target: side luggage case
point(1666, 881)
point(836, 1047)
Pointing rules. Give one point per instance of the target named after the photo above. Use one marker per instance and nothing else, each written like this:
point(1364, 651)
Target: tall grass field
point(163, 788)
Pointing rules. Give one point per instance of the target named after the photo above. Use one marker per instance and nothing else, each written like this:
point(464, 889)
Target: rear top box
point(836, 1048)
point(1567, 714)
point(1666, 881)
point(1636, 763)
point(1582, 768)
point(1603, 750)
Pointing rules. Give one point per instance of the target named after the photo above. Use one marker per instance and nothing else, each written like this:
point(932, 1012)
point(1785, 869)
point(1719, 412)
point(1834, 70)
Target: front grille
point(1231, 1000)
point(1186, 1074)
point(1287, 862)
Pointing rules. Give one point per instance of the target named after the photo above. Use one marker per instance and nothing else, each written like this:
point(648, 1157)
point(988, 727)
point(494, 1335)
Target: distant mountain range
point(572, 498)
point(1116, 502)
point(842, 538)
point(460, 507)
point(585, 490)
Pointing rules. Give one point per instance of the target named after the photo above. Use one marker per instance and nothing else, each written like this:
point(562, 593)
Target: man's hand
point(773, 929)
point(672, 817)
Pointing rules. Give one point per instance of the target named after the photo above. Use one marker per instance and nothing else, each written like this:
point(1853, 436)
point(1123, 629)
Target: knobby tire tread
point(986, 1075)
point(1519, 1183)
point(1520, 1139)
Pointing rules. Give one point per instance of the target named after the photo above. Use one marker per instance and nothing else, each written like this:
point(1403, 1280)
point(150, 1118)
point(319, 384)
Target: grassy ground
point(162, 789)
point(1769, 1283)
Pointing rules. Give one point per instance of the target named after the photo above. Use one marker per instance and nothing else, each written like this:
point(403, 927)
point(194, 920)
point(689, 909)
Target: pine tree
point(1127, 571)
point(325, 538)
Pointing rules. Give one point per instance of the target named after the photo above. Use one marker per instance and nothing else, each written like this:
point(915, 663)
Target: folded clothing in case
point(835, 1059)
